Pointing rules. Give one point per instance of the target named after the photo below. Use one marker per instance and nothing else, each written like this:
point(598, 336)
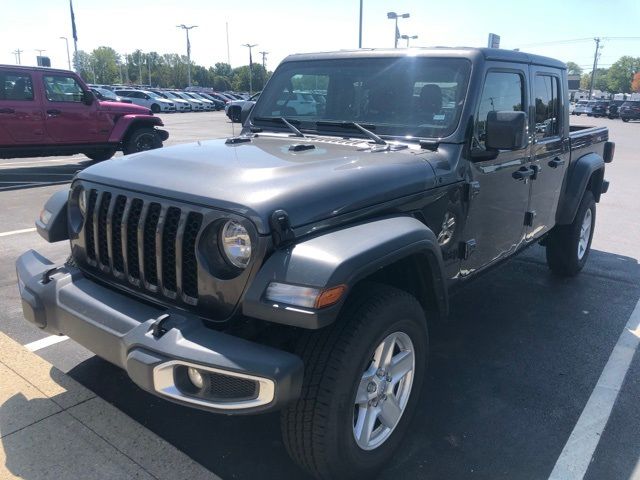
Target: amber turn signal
point(330, 296)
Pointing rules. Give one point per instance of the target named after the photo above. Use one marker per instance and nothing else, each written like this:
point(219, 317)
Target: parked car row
point(625, 110)
point(165, 100)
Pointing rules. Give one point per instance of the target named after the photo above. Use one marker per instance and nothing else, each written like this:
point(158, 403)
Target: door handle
point(53, 112)
point(556, 162)
point(7, 110)
point(523, 174)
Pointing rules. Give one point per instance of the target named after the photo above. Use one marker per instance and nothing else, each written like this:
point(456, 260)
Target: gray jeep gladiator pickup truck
point(299, 265)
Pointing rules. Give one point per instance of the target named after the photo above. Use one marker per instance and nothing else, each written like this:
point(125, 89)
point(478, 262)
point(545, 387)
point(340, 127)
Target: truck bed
point(586, 139)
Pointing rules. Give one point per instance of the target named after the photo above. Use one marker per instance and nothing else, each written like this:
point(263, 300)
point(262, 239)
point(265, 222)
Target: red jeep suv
point(45, 112)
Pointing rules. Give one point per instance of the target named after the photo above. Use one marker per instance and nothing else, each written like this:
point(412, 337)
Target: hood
point(123, 108)
point(255, 178)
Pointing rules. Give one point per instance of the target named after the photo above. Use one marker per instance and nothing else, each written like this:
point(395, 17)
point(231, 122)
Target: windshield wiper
point(288, 124)
point(376, 139)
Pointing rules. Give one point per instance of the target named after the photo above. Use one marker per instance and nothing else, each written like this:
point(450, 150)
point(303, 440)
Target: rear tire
point(155, 108)
point(625, 120)
point(568, 246)
point(142, 139)
point(324, 431)
point(101, 155)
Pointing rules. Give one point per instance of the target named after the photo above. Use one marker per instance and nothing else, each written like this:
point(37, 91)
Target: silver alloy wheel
point(384, 391)
point(585, 233)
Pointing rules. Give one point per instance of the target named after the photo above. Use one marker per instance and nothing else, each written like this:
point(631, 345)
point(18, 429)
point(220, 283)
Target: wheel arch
point(587, 173)
point(397, 251)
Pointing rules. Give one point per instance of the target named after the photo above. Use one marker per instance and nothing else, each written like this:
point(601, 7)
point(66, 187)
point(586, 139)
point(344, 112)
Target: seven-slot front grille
point(142, 243)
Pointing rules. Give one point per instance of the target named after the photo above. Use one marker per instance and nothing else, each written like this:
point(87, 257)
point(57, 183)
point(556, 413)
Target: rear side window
point(503, 91)
point(15, 86)
point(60, 88)
point(547, 103)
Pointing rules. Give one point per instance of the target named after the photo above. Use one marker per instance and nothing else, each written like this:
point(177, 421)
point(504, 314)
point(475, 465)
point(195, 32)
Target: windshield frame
point(384, 130)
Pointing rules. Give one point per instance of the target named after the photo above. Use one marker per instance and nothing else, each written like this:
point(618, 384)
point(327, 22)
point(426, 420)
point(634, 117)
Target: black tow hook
point(157, 327)
point(46, 276)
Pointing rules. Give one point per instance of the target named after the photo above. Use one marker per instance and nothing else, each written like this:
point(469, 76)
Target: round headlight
point(82, 201)
point(236, 244)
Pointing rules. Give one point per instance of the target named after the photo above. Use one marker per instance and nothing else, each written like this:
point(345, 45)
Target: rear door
point(550, 148)
point(68, 119)
point(21, 119)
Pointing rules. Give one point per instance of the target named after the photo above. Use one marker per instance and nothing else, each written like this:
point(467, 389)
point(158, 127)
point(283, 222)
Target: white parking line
point(45, 342)
point(578, 451)
point(16, 232)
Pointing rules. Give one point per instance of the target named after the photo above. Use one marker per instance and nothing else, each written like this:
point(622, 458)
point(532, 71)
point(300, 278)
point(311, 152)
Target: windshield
point(407, 96)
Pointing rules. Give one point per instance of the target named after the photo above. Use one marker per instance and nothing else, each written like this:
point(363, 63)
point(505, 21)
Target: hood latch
point(281, 230)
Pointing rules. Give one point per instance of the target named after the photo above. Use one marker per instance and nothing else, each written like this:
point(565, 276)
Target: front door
point(67, 118)
point(550, 148)
point(496, 213)
point(21, 119)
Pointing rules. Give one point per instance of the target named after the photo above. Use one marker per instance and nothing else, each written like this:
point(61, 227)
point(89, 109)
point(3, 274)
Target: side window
point(547, 106)
point(503, 91)
point(60, 88)
point(15, 86)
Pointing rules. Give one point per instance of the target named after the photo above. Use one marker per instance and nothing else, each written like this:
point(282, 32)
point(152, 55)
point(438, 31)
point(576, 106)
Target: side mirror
point(246, 111)
point(506, 130)
point(88, 97)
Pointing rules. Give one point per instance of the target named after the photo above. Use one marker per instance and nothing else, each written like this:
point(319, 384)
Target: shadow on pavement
point(508, 378)
point(17, 178)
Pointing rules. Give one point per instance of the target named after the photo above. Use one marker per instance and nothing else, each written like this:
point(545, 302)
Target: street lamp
point(395, 16)
point(250, 46)
point(68, 56)
point(186, 29)
point(407, 38)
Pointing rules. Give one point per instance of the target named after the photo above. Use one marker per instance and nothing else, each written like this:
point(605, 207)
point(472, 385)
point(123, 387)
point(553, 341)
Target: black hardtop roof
point(459, 52)
point(30, 69)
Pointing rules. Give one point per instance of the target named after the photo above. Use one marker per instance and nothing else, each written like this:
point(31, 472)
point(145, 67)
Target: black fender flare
point(343, 257)
point(578, 177)
point(52, 225)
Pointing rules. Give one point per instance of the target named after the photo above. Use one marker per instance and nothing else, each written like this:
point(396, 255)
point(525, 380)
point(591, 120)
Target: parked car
point(299, 103)
point(196, 105)
point(208, 104)
point(181, 104)
point(146, 98)
point(105, 95)
point(581, 107)
point(301, 269)
point(45, 111)
point(222, 97)
point(614, 109)
point(234, 109)
point(600, 108)
point(630, 110)
point(219, 104)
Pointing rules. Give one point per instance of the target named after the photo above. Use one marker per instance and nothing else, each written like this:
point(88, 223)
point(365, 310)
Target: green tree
point(573, 68)
point(223, 69)
point(601, 82)
point(82, 65)
point(621, 74)
point(105, 61)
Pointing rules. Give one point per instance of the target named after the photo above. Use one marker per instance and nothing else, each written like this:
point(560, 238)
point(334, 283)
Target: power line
point(575, 40)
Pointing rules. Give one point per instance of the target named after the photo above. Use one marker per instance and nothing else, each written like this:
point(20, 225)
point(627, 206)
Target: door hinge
point(528, 218)
point(471, 189)
point(466, 249)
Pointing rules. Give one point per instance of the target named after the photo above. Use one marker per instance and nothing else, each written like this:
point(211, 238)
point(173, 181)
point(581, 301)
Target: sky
point(281, 27)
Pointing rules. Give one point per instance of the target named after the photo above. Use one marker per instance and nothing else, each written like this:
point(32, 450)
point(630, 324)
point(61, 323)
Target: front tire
point(362, 380)
point(101, 155)
point(142, 139)
point(568, 246)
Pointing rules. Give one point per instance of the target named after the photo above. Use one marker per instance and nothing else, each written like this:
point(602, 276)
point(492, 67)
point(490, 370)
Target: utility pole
point(595, 66)
point(66, 40)
point(186, 29)
point(17, 53)
point(149, 68)
point(360, 27)
point(264, 60)
point(139, 67)
point(250, 46)
point(228, 54)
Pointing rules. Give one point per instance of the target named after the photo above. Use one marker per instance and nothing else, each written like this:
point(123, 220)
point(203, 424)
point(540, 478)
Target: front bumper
point(154, 349)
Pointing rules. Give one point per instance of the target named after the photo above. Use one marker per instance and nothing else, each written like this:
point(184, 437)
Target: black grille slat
point(189, 261)
point(89, 234)
point(132, 238)
point(169, 236)
point(116, 233)
point(149, 244)
point(103, 246)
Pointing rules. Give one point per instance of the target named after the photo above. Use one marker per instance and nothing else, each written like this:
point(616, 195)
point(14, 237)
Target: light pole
point(395, 16)
point(17, 53)
point(360, 28)
point(140, 67)
point(407, 38)
point(250, 46)
point(186, 29)
point(66, 40)
point(149, 67)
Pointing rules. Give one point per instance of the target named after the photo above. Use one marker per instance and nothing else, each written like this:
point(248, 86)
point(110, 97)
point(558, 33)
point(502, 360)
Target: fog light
point(196, 377)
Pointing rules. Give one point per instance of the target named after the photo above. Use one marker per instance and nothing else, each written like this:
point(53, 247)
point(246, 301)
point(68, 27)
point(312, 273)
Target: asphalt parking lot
point(510, 375)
